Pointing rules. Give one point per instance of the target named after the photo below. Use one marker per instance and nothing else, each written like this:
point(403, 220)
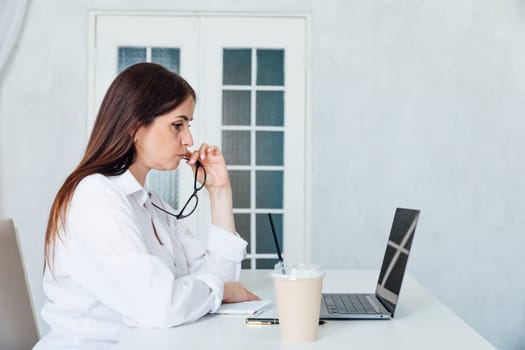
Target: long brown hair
point(135, 98)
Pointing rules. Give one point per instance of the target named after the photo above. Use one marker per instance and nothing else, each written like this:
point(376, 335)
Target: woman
point(116, 256)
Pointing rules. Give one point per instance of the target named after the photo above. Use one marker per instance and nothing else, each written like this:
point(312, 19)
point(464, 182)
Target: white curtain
point(11, 19)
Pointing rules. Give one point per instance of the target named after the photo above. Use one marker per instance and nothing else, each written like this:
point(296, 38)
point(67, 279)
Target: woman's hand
point(212, 160)
point(217, 184)
point(234, 292)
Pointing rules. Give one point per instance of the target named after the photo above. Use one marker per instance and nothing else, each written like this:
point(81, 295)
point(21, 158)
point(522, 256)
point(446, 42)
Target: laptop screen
point(396, 257)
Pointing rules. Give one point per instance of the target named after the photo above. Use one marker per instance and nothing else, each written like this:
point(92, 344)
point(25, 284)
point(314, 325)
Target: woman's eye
point(177, 126)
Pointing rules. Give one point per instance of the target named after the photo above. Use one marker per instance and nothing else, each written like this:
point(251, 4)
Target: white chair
point(17, 323)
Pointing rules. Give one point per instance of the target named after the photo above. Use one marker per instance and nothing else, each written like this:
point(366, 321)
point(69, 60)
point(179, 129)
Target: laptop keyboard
point(348, 304)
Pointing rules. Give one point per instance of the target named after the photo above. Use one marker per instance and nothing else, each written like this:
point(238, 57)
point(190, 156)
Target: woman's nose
point(187, 138)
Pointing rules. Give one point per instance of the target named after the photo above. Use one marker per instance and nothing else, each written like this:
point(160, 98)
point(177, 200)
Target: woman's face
point(162, 144)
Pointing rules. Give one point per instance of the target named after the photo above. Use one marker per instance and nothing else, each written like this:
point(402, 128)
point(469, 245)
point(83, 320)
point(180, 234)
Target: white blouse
point(111, 274)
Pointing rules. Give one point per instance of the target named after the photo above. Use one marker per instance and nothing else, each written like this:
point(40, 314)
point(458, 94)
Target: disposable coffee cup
point(298, 295)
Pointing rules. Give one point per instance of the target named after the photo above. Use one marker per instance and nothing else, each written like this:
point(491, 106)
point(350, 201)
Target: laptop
point(382, 304)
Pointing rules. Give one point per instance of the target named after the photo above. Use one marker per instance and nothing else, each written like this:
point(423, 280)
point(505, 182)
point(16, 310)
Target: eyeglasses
point(191, 204)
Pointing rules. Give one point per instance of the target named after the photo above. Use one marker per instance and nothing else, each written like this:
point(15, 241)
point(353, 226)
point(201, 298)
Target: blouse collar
point(130, 186)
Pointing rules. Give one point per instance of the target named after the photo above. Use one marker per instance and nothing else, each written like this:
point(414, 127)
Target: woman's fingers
point(207, 155)
point(192, 156)
point(213, 150)
point(212, 161)
point(202, 151)
point(250, 296)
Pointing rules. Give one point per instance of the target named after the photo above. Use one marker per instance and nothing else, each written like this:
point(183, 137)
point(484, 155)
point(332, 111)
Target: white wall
point(425, 102)
point(414, 103)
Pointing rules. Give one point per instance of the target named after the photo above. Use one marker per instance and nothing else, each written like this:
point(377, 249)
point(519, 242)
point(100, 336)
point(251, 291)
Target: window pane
point(269, 147)
point(242, 224)
point(236, 147)
point(236, 66)
point(265, 243)
point(168, 57)
point(236, 107)
point(270, 67)
point(128, 56)
point(269, 108)
point(240, 181)
point(269, 189)
point(267, 264)
point(246, 264)
point(165, 184)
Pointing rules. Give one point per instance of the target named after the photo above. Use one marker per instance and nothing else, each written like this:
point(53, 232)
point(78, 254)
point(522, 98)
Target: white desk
point(420, 322)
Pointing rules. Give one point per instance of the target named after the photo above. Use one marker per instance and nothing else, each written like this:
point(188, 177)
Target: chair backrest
point(17, 323)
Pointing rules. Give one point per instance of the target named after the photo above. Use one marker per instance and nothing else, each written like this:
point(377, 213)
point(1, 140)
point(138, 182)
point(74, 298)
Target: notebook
point(382, 304)
point(244, 308)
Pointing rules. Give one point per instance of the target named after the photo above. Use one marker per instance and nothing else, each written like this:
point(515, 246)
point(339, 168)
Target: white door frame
point(301, 228)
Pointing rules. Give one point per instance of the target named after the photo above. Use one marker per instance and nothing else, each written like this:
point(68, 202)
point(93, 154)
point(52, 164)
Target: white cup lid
point(296, 271)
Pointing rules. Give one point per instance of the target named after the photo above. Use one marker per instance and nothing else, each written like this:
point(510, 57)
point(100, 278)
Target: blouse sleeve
point(106, 255)
point(221, 256)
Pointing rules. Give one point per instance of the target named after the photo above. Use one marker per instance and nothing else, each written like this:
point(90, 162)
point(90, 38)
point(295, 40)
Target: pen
point(266, 321)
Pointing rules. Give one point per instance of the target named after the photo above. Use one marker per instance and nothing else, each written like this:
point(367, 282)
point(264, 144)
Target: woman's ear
point(134, 134)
